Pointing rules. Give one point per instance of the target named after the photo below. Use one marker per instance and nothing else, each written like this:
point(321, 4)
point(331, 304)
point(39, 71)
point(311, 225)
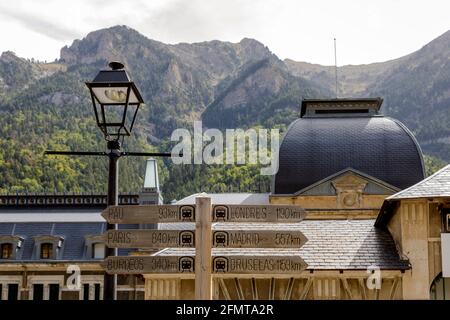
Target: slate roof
point(230, 198)
point(436, 185)
point(72, 224)
point(73, 234)
point(315, 148)
point(332, 244)
point(50, 215)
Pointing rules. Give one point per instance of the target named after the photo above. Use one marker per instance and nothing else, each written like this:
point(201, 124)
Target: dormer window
point(48, 247)
point(47, 251)
point(6, 250)
point(95, 247)
point(10, 247)
point(98, 250)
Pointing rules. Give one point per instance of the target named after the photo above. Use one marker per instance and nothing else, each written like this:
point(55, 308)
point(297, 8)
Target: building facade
point(47, 241)
point(348, 166)
point(376, 227)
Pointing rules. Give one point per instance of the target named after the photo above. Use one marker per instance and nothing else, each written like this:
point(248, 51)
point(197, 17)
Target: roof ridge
point(395, 196)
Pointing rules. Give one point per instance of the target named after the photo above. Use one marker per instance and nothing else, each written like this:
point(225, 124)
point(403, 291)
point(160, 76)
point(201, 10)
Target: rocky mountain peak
point(114, 43)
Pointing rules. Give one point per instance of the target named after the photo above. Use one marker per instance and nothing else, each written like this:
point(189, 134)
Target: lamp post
point(116, 101)
point(113, 96)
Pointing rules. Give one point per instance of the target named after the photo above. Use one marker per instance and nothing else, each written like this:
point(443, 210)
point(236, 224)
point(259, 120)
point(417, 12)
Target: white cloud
point(367, 31)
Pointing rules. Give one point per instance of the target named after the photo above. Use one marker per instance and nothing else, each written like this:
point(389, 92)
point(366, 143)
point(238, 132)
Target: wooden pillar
point(203, 259)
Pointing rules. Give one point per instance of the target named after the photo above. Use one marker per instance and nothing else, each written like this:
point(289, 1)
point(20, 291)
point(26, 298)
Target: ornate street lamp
point(114, 96)
point(116, 101)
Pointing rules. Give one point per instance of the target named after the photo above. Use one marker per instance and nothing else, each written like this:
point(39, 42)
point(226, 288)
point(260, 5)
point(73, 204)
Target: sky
point(366, 31)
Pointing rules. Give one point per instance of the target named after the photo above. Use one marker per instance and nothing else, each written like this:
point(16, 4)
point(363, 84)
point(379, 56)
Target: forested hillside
point(45, 106)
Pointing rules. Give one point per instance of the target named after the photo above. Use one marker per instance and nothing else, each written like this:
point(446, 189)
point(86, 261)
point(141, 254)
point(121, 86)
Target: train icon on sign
point(186, 264)
point(220, 264)
point(187, 238)
point(220, 239)
point(220, 213)
point(187, 213)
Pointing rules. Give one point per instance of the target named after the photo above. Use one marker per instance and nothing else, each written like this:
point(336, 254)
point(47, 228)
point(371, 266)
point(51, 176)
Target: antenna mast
point(335, 68)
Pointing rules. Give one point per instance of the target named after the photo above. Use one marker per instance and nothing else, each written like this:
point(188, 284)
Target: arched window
point(6, 250)
point(440, 288)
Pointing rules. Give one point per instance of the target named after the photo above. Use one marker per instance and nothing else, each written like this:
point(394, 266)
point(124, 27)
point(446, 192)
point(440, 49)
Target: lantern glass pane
point(108, 95)
point(113, 114)
point(130, 114)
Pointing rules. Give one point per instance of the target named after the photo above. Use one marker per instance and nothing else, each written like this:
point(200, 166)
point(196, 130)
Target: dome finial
point(116, 65)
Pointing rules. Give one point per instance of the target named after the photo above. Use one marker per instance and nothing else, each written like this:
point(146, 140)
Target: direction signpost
point(148, 264)
point(258, 239)
point(203, 238)
point(220, 239)
point(149, 214)
point(258, 264)
point(230, 264)
point(258, 213)
point(149, 238)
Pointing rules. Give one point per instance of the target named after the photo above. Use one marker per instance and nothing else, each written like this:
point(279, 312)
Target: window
point(10, 287)
point(98, 251)
point(46, 251)
point(86, 291)
point(53, 291)
point(7, 250)
point(45, 287)
point(38, 292)
point(91, 291)
point(440, 288)
point(97, 291)
point(13, 291)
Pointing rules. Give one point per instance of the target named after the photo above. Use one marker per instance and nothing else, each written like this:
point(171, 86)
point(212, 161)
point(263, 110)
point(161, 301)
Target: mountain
point(415, 88)
point(226, 85)
point(51, 110)
point(181, 81)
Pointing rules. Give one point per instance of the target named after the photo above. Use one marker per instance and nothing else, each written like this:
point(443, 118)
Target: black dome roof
point(314, 148)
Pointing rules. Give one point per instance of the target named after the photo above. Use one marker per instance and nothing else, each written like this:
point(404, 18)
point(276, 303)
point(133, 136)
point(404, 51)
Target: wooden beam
point(306, 289)
point(239, 291)
point(288, 294)
point(394, 288)
point(226, 294)
point(362, 286)
point(272, 289)
point(347, 288)
point(216, 289)
point(254, 290)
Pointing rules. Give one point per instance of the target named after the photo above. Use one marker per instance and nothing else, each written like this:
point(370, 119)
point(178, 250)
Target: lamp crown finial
point(116, 65)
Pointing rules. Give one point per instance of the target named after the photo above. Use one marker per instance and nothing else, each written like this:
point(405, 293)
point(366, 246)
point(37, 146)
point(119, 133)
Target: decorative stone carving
point(349, 190)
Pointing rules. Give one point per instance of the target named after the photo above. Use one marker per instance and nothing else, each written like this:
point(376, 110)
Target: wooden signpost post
point(203, 238)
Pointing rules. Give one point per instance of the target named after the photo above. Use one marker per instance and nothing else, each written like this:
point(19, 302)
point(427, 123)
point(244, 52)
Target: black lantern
point(116, 101)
